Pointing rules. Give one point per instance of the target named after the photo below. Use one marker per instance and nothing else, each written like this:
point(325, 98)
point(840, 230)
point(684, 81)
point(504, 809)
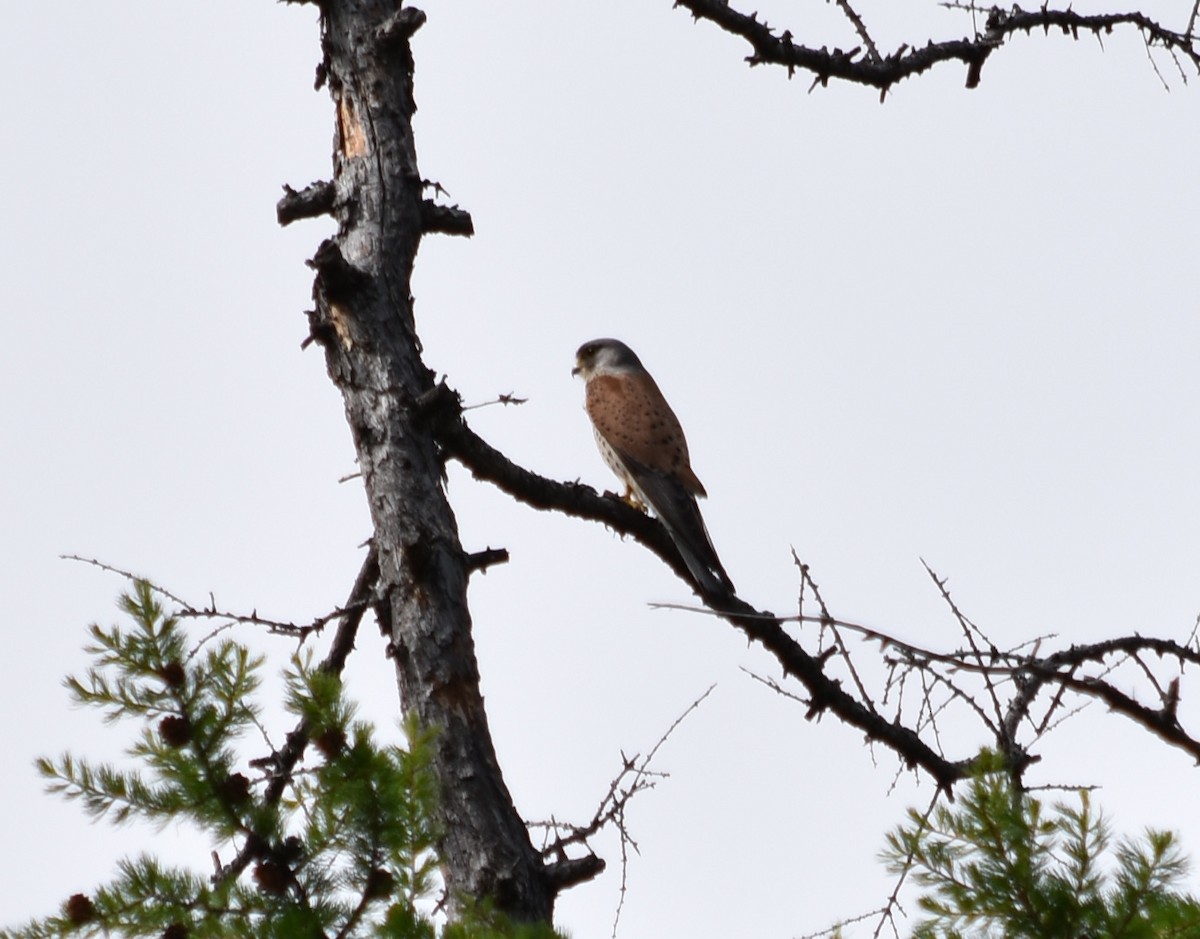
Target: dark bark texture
point(363, 318)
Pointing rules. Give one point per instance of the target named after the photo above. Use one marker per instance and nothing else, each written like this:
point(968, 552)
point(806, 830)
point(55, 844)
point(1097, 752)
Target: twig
point(128, 575)
point(1153, 64)
point(893, 901)
point(506, 399)
point(970, 630)
point(859, 27)
point(277, 627)
point(634, 777)
point(640, 772)
point(808, 582)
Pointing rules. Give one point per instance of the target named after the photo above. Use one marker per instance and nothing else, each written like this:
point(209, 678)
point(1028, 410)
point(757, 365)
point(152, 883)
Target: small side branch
point(400, 26)
point(313, 200)
point(445, 219)
point(571, 871)
point(482, 560)
point(859, 27)
point(635, 777)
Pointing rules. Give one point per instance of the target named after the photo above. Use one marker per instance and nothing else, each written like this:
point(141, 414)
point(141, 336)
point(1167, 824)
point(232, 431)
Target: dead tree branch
point(824, 692)
point(635, 777)
point(771, 47)
point(1011, 679)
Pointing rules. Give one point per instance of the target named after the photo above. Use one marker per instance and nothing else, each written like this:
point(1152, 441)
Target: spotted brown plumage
point(641, 440)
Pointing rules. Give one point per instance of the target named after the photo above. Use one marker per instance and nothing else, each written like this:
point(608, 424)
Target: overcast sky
point(959, 326)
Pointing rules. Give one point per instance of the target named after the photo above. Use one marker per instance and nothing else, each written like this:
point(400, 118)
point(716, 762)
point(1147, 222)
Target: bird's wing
point(676, 508)
point(636, 421)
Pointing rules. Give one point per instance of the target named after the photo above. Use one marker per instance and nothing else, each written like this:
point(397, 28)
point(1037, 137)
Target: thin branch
point(640, 773)
point(1006, 661)
point(970, 631)
point(128, 575)
point(620, 791)
point(1163, 722)
point(893, 902)
point(827, 621)
point(882, 72)
point(274, 626)
point(634, 777)
point(507, 399)
point(859, 27)
point(1154, 65)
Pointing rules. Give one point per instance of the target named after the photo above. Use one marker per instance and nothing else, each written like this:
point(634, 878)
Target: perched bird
point(641, 441)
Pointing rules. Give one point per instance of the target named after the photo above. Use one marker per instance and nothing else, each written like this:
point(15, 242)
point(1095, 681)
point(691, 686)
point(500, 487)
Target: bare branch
point(313, 200)
point(859, 27)
point(507, 399)
point(634, 777)
point(970, 631)
point(446, 219)
point(884, 71)
point(482, 560)
point(888, 913)
point(128, 575)
point(278, 627)
point(443, 410)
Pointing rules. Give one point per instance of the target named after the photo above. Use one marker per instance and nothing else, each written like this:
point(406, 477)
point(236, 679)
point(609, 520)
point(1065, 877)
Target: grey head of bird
point(604, 356)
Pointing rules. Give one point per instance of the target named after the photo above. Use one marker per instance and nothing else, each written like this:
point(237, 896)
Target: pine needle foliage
point(1001, 865)
point(349, 850)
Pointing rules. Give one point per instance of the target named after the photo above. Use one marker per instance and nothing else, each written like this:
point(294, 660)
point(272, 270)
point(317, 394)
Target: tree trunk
point(364, 321)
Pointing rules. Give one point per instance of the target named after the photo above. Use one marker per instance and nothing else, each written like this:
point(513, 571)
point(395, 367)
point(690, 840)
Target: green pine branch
point(349, 851)
point(1001, 864)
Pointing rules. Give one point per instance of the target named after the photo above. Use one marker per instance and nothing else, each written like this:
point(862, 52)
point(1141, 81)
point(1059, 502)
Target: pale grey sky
point(960, 326)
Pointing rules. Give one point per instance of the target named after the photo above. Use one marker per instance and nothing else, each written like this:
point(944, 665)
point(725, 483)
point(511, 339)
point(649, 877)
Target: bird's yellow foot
point(630, 499)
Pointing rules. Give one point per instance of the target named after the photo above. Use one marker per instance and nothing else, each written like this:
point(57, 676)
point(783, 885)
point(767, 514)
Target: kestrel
point(641, 441)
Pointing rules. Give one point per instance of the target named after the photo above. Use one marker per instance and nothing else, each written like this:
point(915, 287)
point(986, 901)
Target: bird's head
point(604, 355)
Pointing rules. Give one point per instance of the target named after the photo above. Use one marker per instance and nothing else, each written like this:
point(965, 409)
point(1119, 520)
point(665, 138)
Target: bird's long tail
point(676, 508)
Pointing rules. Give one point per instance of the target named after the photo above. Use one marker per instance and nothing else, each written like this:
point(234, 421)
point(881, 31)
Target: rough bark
point(363, 319)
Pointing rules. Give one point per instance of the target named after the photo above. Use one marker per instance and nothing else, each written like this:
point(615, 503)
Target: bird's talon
point(630, 499)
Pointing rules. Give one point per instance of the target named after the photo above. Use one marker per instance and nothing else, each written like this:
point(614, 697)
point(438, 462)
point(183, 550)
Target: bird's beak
point(575, 371)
